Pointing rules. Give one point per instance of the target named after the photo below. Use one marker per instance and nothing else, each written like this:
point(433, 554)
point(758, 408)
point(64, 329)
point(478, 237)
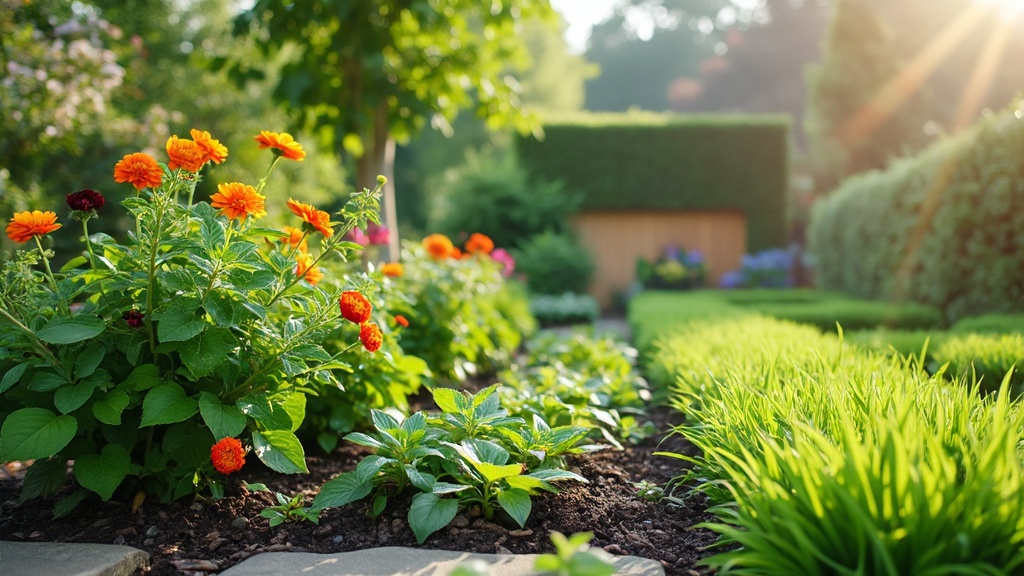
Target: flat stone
point(398, 561)
point(66, 559)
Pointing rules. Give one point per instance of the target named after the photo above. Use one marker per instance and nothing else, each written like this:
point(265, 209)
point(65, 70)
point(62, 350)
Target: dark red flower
point(133, 318)
point(85, 200)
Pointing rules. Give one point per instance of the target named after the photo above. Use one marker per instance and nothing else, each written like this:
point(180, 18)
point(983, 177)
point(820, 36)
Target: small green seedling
point(287, 509)
point(574, 557)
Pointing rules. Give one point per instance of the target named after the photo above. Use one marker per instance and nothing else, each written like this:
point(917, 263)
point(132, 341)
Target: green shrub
point(493, 195)
point(906, 343)
point(853, 314)
point(942, 229)
point(564, 309)
point(554, 264)
point(990, 324)
point(988, 356)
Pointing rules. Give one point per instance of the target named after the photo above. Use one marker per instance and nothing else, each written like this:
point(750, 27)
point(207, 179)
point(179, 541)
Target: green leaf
point(528, 483)
point(517, 503)
point(295, 405)
point(108, 410)
point(44, 478)
point(142, 377)
point(445, 398)
point(167, 404)
point(65, 505)
point(61, 330)
point(46, 381)
point(345, 488)
point(590, 564)
point(88, 360)
point(13, 376)
point(369, 466)
point(70, 398)
point(380, 501)
point(246, 281)
point(103, 473)
point(222, 419)
point(205, 352)
point(421, 480)
point(280, 450)
point(269, 415)
point(33, 433)
point(429, 513)
point(188, 443)
point(179, 323)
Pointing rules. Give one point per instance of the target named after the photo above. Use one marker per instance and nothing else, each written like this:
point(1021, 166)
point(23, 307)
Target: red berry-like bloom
point(369, 334)
point(228, 456)
point(133, 318)
point(355, 307)
point(402, 320)
point(85, 200)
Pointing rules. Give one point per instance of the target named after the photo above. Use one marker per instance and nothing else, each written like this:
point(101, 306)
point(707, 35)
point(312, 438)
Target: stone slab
point(398, 561)
point(69, 559)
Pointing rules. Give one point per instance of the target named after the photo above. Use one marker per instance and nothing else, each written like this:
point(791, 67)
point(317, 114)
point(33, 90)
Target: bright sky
point(581, 15)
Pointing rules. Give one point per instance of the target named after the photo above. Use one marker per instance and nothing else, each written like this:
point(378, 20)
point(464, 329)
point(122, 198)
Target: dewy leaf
point(203, 353)
point(167, 404)
point(103, 473)
point(222, 419)
point(62, 330)
point(517, 503)
point(345, 488)
point(280, 450)
point(429, 513)
point(32, 433)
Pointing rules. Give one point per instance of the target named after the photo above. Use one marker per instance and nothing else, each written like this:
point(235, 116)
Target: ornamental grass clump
point(158, 362)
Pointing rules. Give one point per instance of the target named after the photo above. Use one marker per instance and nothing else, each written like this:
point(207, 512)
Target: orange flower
point(355, 307)
point(369, 334)
point(318, 219)
point(185, 154)
point(140, 170)
point(228, 456)
point(25, 225)
point(393, 269)
point(438, 246)
point(304, 267)
point(282, 144)
point(294, 237)
point(237, 201)
point(402, 320)
point(455, 253)
point(479, 243)
point(213, 150)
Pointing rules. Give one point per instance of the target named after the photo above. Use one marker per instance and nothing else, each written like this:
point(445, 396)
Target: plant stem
point(263, 181)
point(49, 275)
point(36, 343)
point(88, 244)
point(154, 247)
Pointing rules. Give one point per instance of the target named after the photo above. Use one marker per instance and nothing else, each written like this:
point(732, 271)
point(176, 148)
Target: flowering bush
point(675, 269)
point(771, 268)
point(155, 362)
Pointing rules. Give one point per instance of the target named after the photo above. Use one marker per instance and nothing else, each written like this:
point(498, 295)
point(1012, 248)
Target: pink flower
point(378, 234)
point(358, 236)
point(506, 259)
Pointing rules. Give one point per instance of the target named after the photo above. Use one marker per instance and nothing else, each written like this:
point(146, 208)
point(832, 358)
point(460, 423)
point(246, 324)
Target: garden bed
point(219, 534)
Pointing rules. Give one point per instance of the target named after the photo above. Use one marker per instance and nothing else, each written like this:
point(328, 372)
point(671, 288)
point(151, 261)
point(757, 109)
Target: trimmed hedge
point(968, 260)
point(990, 357)
point(653, 161)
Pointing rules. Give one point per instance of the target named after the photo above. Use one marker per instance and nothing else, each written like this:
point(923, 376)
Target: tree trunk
point(379, 160)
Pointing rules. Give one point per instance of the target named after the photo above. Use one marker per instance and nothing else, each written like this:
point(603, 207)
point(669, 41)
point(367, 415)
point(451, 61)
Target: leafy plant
point(287, 509)
point(554, 263)
point(574, 557)
point(136, 357)
point(460, 458)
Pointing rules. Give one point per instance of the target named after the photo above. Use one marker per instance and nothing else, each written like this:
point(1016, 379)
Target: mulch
point(204, 536)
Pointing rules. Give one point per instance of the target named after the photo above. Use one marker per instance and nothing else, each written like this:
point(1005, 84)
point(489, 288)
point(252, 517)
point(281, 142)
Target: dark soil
point(193, 537)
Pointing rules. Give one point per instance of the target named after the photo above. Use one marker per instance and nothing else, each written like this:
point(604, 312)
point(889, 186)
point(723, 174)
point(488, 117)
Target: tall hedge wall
point(648, 161)
point(968, 260)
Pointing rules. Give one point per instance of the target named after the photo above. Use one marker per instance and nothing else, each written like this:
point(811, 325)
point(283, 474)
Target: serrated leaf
point(280, 450)
point(108, 410)
point(517, 503)
point(33, 433)
point(202, 354)
point(62, 330)
point(245, 281)
point(167, 404)
point(179, 323)
point(341, 490)
point(102, 473)
point(223, 420)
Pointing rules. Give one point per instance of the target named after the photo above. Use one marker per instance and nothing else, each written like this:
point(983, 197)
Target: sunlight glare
point(1007, 8)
